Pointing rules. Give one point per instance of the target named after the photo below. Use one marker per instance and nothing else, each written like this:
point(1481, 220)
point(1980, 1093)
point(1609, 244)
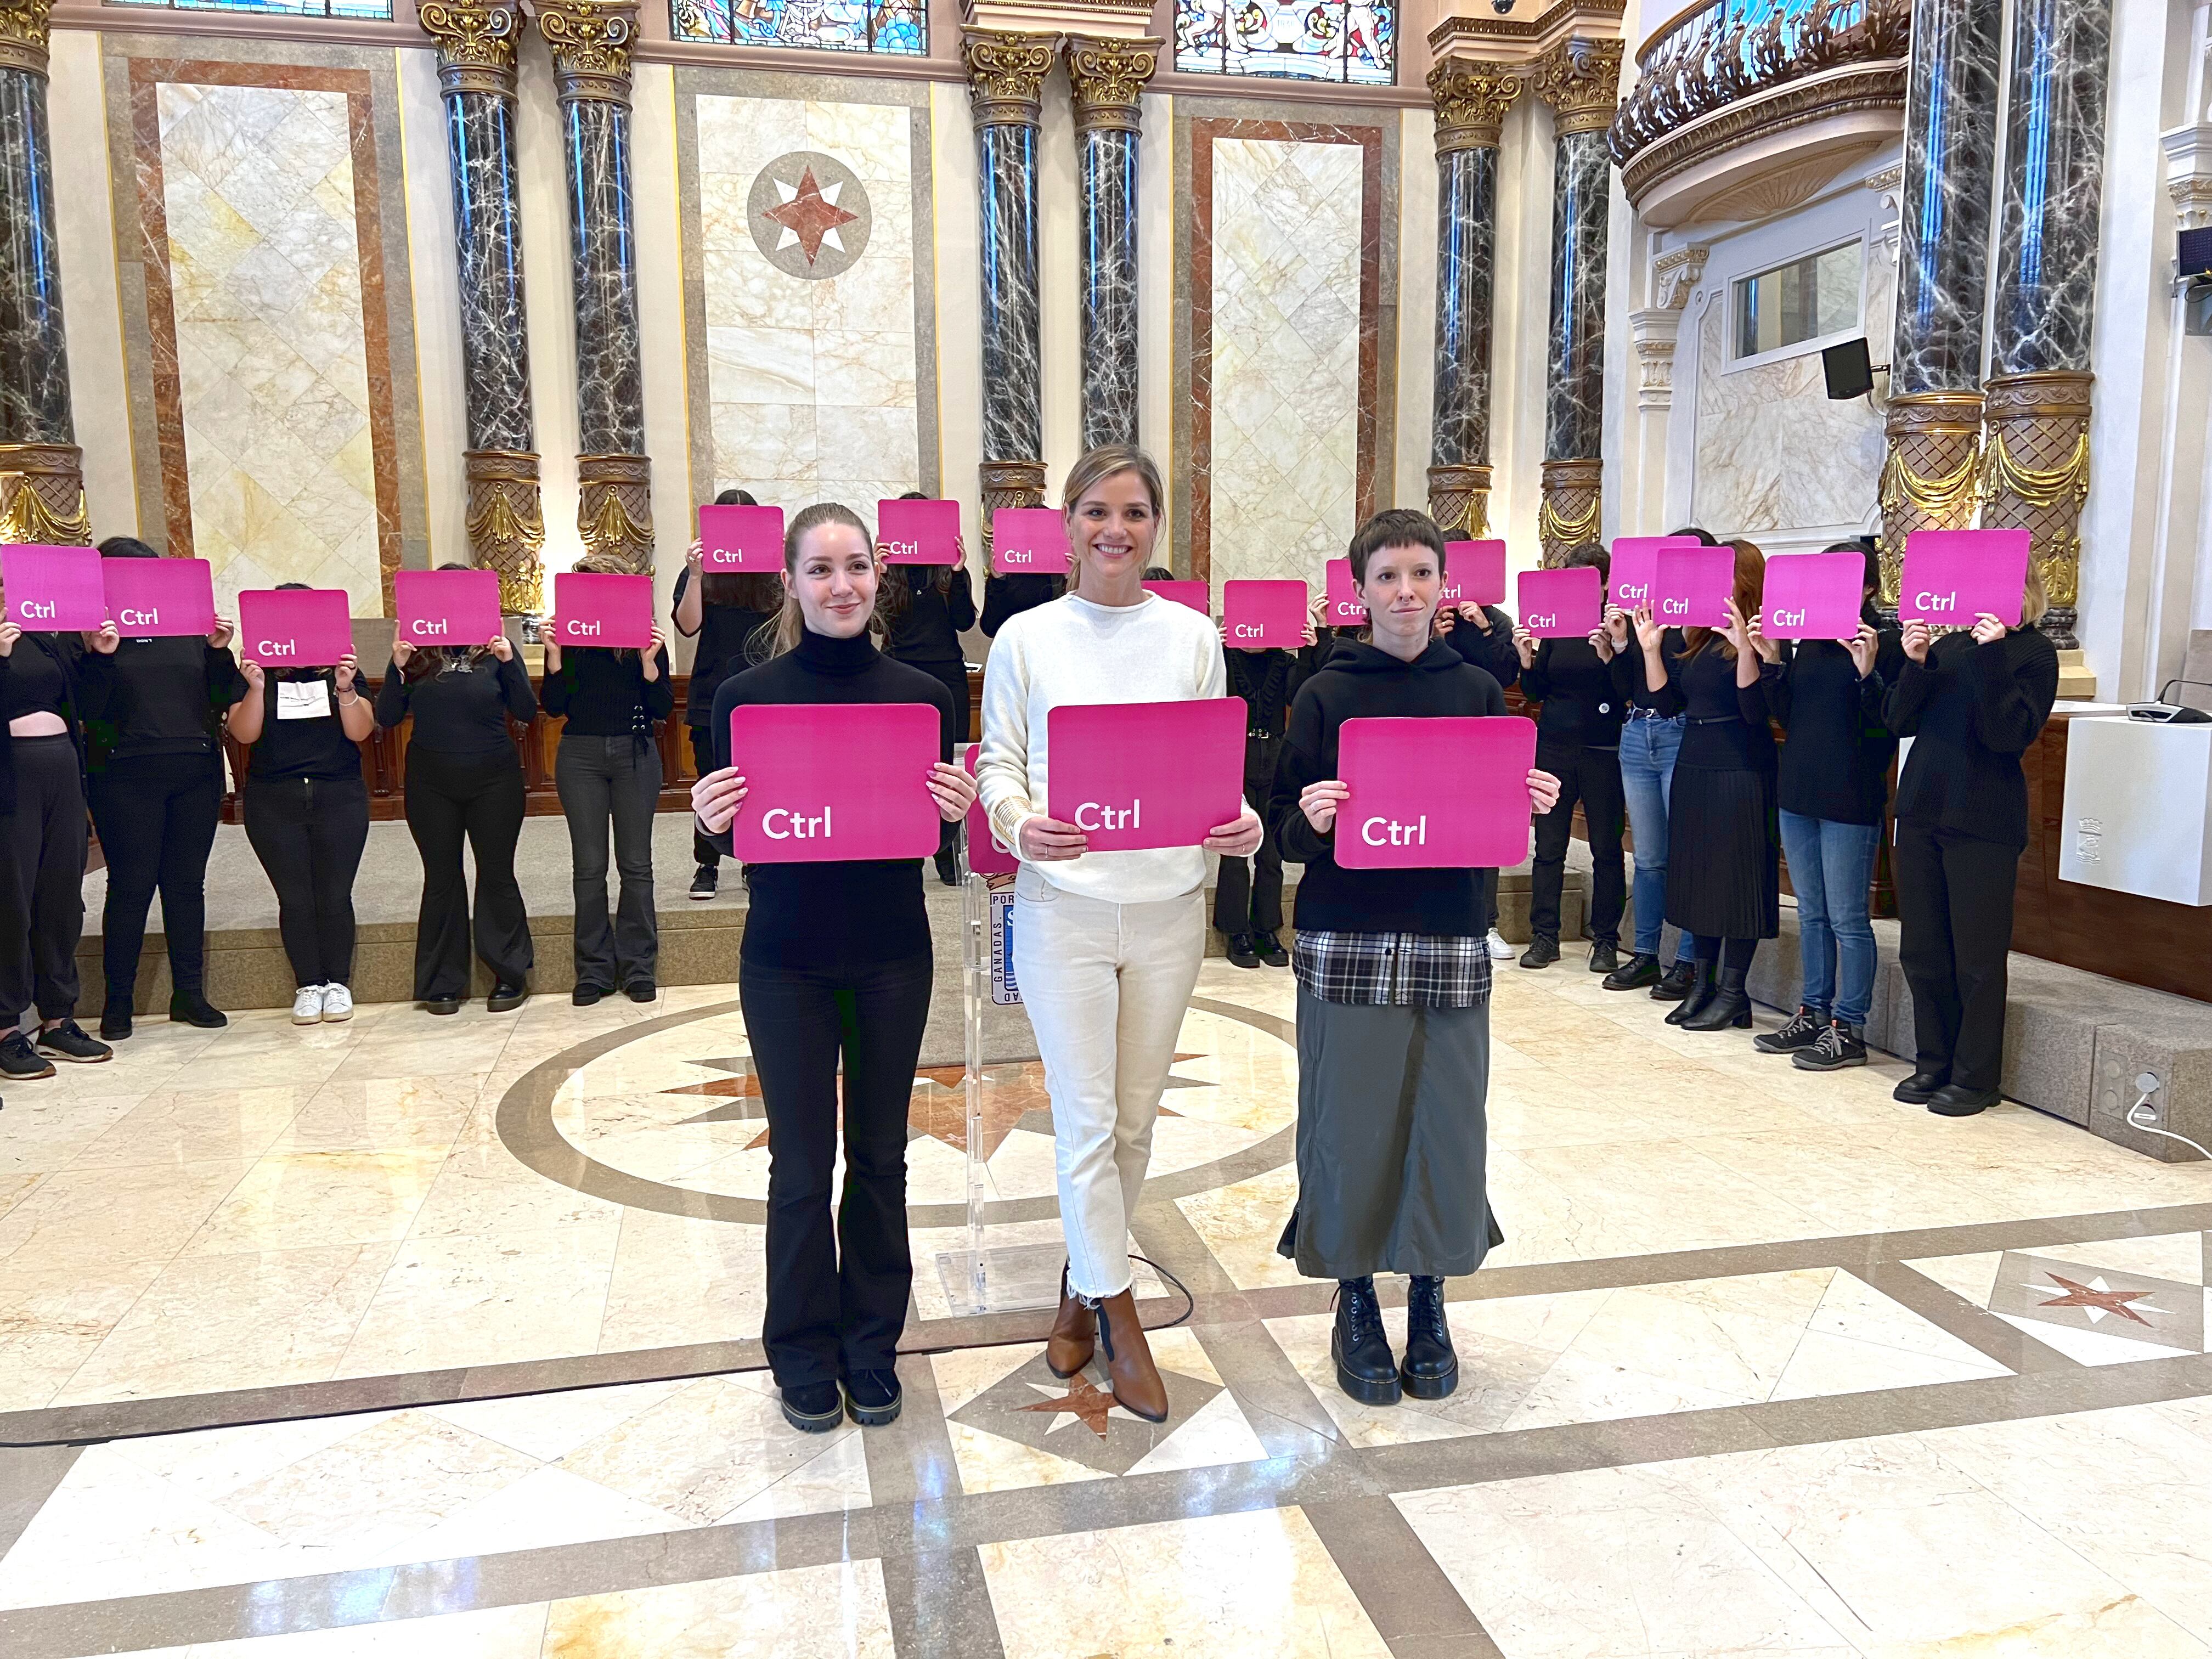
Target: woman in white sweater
point(1110, 942)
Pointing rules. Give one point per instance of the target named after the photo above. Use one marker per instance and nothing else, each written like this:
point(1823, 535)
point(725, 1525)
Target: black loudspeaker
point(1849, 371)
point(2194, 254)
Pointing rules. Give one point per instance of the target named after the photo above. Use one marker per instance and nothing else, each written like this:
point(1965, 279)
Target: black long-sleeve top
point(38, 677)
point(1266, 681)
point(603, 693)
point(1493, 652)
point(464, 707)
point(1836, 763)
point(316, 748)
point(160, 697)
point(1584, 697)
point(930, 623)
point(726, 632)
point(852, 914)
point(1727, 728)
point(1006, 597)
point(1357, 682)
point(1972, 711)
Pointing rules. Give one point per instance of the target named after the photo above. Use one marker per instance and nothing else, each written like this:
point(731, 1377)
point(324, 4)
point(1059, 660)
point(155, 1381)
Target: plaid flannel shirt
point(1397, 970)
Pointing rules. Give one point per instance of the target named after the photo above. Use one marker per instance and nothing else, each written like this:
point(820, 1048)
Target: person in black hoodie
point(1834, 782)
point(927, 608)
point(154, 768)
point(464, 781)
point(1972, 701)
point(726, 614)
point(835, 965)
point(608, 768)
point(1248, 893)
point(1394, 994)
point(1583, 685)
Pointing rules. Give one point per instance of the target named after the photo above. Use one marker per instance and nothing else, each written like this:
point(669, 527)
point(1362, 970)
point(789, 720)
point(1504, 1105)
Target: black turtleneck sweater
point(1359, 681)
point(854, 914)
point(1835, 765)
point(1972, 710)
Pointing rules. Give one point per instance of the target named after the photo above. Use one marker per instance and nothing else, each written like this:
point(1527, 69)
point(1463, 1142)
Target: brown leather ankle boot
point(1074, 1334)
point(1137, 1385)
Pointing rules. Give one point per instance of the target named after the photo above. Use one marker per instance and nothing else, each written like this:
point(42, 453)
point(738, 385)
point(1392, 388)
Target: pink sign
point(1951, 577)
point(918, 532)
point(1561, 605)
point(1443, 792)
point(745, 539)
point(1694, 584)
point(1133, 775)
point(1197, 595)
point(1028, 541)
point(1344, 608)
point(1814, 596)
point(54, 589)
point(1636, 562)
point(1477, 570)
point(987, 855)
point(159, 598)
point(446, 607)
point(592, 608)
point(829, 782)
point(295, 627)
point(1263, 615)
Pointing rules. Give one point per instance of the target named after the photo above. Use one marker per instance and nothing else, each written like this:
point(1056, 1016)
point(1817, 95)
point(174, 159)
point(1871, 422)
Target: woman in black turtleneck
point(463, 782)
point(836, 965)
point(729, 615)
point(926, 609)
point(609, 768)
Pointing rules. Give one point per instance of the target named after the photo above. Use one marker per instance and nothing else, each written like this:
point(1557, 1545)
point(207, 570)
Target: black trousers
point(702, 761)
point(836, 1297)
point(1593, 777)
point(478, 798)
point(42, 882)
point(1247, 897)
point(1955, 902)
point(309, 837)
point(954, 677)
point(156, 815)
point(618, 779)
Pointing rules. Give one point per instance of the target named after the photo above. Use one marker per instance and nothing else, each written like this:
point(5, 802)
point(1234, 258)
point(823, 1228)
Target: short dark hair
point(126, 547)
point(1159, 573)
point(1867, 549)
point(1592, 554)
point(736, 498)
point(1704, 536)
point(1394, 526)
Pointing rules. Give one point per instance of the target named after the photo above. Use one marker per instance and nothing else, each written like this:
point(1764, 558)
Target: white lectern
point(2138, 812)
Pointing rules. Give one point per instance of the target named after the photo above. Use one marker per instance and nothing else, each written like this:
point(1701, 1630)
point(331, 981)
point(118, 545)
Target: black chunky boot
point(1695, 995)
point(1365, 1369)
point(1728, 1006)
point(1674, 984)
point(1431, 1368)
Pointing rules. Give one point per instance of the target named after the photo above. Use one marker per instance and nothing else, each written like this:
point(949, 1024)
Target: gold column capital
point(477, 41)
point(1572, 502)
point(42, 495)
point(1106, 78)
point(24, 27)
point(614, 507)
point(1005, 75)
point(1472, 99)
point(506, 525)
point(591, 42)
point(1580, 79)
point(1459, 500)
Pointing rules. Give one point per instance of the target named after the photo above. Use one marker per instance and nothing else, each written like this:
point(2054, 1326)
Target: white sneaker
point(1498, 949)
point(307, 1005)
point(337, 1002)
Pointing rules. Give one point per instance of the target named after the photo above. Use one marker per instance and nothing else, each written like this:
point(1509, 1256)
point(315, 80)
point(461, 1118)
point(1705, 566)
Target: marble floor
point(441, 1337)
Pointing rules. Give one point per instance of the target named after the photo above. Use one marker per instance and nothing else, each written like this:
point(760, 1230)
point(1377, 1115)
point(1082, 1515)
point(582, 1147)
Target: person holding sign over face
point(927, 608)
point(1111, 941)
point(1393, 992)
point(835, 963)
point(1248, 894)
point(726, 612)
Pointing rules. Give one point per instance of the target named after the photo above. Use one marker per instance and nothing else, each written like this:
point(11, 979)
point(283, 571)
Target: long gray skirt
point(1392, 1140)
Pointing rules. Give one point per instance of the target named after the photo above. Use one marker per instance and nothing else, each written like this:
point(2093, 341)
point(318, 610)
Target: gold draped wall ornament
point(614, 507)
point(1459, 500)
point(2035, 476)
point(1573, 492)
point(1008, 484)
point(1929, 476)
point(42, 495)
point(507, 525)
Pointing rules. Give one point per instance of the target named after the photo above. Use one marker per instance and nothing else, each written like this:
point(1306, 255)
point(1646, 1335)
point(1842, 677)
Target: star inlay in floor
point(810, 216)
point(1081, 1403)
point(2096, 1299)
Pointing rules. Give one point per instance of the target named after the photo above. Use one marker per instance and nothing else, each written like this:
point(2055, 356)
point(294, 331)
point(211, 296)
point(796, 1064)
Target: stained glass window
point(890, 26)
point(1349, 40)
point(365, 10)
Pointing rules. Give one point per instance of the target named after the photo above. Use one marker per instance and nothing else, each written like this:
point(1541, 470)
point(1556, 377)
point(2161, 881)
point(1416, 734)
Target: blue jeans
point(1647, 748)
point(1830, 865)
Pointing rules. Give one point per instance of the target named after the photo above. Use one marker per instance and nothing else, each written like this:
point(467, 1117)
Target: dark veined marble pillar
point(1471, 100)
point(41, 469)
point(1006, 82)
point(477, 41)
point(1107, 78)
point(2035, 464)
point(1581, 81)
point(1943, 274)
point(591, 41)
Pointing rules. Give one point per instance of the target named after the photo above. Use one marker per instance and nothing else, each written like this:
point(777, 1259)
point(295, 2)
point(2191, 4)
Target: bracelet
point(348, 702)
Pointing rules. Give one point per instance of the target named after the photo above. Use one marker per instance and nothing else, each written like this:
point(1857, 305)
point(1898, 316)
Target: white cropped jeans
point(1106, 985)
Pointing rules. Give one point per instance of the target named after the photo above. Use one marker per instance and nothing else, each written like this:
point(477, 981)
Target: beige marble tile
point(94, 1218)
point(676, 1280)
point(801, 1612)
point(54, 1316)
point(195, 1127)
point(548, 1426)
point(1242, 1223)
point(292, 1201)
point(47, 1132)
point(516, 1632)
point(472, 1301)
point(384, 1113)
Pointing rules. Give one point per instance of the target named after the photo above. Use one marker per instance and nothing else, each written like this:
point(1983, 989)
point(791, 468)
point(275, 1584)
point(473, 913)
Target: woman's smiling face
point(834, 579)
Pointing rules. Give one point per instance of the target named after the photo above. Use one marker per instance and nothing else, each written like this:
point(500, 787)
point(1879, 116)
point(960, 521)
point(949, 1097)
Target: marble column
point(1581, 81)
point(591, 41)
point(41, 469)
point(1943, 274)
point(1471, 100)
point(1106, 78)
point(2035, 463)
point(477, 41)
point(1006, 83)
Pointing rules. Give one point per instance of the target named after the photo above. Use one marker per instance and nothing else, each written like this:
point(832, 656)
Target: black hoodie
point(1359, 681)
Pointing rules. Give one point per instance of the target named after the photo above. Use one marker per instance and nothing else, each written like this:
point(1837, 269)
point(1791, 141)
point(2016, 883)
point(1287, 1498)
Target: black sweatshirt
point(604, 694)
point(854, 914)
point(1266, 681)
point(1972, 711)
point(1584, 698)
point(1358, 682)
point(155, 697)
point(929, 624)
point(725, 631)
point(464, 707)
point(1493, 652)
point(316, 748)
point(1006, 597)
point(1835, 765)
